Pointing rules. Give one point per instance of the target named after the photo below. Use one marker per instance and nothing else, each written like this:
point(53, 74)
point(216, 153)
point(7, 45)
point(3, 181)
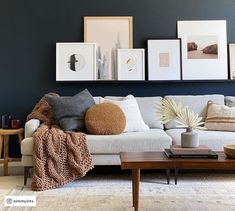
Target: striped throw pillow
point(220, 117)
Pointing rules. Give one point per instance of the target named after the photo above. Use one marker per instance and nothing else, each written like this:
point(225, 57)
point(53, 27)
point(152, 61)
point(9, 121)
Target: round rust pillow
point(105, 119)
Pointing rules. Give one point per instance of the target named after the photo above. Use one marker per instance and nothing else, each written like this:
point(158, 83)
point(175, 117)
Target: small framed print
point(131, 64)
point(204, 49)
point(164, 62)
point(75, 61)
point(232, 60)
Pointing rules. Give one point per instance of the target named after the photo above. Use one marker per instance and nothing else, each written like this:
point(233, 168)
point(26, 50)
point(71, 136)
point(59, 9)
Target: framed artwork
point(232, 60)
point(204, 49)
point(110, 33)
point(131, 64)
point(75, 61)
point(164, 62)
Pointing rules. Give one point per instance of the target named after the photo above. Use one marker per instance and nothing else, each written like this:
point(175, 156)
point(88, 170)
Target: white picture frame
point(232, 60)
point(204, 49)
point(131, 64)
point(110, 33)
point(164, 59)
point(75, 61)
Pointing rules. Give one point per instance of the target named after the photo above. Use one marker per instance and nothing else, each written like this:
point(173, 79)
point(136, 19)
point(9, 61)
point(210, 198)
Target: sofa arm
point(30, 127)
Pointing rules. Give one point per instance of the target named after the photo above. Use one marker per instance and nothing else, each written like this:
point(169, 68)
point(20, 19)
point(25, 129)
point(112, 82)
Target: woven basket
point(229, 150)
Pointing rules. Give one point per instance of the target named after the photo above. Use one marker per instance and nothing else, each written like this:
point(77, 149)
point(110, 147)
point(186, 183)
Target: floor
point(112, 192)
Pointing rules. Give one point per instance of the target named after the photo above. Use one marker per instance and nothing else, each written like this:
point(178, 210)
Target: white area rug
point(198, 191)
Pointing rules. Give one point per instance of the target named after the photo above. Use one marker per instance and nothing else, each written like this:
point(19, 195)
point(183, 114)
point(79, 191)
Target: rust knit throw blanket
point(59, 157)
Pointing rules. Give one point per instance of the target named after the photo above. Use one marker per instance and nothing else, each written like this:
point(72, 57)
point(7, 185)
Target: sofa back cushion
point(97, 100)
point(198, 103)
point(230, 101)
point(148, 108)
point(134, 120)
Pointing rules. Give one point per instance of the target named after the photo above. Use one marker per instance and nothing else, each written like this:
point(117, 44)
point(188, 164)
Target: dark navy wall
point(29, 30)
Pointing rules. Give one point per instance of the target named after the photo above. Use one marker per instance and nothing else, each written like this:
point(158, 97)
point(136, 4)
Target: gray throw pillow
point(70, 111)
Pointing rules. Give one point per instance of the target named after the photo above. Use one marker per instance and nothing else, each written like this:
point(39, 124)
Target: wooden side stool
point(4, 141)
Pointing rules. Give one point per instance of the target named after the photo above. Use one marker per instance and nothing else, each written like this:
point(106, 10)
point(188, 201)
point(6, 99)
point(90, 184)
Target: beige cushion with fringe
point(220, 117)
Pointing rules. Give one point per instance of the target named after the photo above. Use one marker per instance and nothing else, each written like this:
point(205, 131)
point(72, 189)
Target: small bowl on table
point(229, 150)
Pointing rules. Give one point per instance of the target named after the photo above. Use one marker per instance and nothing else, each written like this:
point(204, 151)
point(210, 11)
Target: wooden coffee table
point(136, 161)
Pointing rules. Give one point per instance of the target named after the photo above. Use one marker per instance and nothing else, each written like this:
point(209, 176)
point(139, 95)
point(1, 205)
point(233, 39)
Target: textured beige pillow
point(220, 117)
point(105, 119)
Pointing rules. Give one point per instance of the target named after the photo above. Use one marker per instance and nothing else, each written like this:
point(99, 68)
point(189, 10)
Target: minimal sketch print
point(131, 64)
point(76, 62)
point(164, 60)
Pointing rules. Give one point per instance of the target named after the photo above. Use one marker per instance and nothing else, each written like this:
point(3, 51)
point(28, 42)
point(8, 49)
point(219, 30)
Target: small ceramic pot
point(189, 139)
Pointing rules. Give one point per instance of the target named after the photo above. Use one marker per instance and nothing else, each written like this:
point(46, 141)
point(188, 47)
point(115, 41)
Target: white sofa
point(106, 148)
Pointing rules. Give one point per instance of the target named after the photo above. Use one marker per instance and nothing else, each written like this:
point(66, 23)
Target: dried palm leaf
point(187, 118)
point(169, 110)
point(182, 115)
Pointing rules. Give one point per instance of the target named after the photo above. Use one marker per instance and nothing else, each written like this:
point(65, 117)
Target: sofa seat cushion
point(213, 139)
point(151, 140)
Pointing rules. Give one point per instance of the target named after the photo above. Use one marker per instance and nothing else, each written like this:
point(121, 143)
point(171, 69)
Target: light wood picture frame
point(110, 33)
point(232, 60)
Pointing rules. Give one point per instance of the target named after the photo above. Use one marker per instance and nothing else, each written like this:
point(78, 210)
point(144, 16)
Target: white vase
point(189, 138)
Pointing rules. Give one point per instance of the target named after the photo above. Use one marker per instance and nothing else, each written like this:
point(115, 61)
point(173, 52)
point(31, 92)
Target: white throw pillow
point(129, 106)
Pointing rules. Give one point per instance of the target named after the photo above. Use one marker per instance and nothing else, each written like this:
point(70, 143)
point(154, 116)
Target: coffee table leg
point(168, 176)
point(176, 175)
point(135, 187)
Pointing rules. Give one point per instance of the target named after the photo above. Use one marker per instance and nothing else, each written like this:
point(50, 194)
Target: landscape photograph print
point(202, 47)
point(109, 33)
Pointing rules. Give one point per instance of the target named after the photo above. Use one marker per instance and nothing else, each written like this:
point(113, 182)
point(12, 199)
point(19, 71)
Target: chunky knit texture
point(59, 157)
